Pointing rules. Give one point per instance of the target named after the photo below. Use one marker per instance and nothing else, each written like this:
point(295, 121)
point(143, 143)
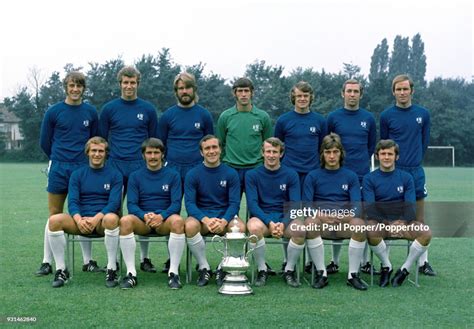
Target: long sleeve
point(409, 213)
point(208, 124)
point(221, 132)
point(324, 132)
point(74, 195)
point(426, 134)
point(104, 124)
point(94, 124)
point(46, 134)
point(279, 132)
point(384, 133)
point(355, 197)
point(368, 195)
point(267, 128)
point(153, 124)
point(372, 137)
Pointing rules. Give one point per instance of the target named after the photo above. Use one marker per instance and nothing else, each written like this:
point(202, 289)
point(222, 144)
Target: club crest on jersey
point(165, 188)
point(312, 130)
point(345, 187)
point(256, 127)
point(85, 123)
point(363, 124)
point(107, 187)
point(140, 116)
point(197, 125)
point(419, 120)
point(400, 189)
point(283, 187)
point(223, 183)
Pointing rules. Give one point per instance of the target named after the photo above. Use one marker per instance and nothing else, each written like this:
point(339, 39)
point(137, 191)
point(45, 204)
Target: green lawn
point(442, 301)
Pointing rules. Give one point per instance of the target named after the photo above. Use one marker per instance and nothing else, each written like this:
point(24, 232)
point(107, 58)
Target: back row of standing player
point(127, 121)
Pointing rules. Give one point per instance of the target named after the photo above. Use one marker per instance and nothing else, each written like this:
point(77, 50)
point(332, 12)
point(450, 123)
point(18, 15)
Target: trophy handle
point(218, 239)
point(253, 236)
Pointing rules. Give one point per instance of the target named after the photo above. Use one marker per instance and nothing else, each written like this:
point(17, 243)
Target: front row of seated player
point(212, 198)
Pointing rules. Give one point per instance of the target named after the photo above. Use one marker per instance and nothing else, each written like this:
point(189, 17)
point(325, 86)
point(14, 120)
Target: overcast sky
point(227, 35)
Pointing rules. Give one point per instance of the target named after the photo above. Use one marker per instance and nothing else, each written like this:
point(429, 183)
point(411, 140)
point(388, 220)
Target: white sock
point(128, 246)
point(86, 247)
point(47, 253)
point(316, 250)
point(423, 258)
point(176, 245)
point(144, 248)
point(416, 250)
point(198, 248)
point(57, 242)
point(365, 255)
point(382, 253)
point(336, 251)
point(259, 254)
point(355, 252)
point(111, 241)
point(284, 247)
point(294, 251)
point(307, 256)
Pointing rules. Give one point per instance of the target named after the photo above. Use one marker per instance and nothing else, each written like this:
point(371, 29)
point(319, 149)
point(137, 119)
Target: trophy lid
point(235, 230)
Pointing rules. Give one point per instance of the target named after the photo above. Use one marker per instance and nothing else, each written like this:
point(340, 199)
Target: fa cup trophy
point(234, 261)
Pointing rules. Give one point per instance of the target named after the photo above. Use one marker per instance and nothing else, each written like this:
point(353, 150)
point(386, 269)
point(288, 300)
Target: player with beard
point(181, 128)
point(183, 125)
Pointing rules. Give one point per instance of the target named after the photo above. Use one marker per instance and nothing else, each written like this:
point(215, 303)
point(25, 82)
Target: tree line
point(450, 101)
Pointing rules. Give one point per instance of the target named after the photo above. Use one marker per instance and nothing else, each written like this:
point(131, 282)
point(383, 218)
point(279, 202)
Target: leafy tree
point(271, 87)
point(351, 71)
point(378, 90)
point(417, 61)
point(166, 72)
point(399, 59)
point(102, 82)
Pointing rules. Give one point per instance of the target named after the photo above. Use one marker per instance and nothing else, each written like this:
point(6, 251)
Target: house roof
point(7, 116)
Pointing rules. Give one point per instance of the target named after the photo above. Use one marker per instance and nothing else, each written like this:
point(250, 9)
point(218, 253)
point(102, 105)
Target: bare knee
point(256, 226)
point(126, 225)
point(177, 224)
point(110, 221)
point(55, 223)
point(299, 240)
point(192, 227)
point(425, 235)
point(314, 228)
point(358, 226)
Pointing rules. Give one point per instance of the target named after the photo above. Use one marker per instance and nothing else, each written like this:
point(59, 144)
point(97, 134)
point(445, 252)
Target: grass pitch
point(442, 301)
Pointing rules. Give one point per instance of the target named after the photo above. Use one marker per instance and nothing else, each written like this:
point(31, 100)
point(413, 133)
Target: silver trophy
point(234, 261)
